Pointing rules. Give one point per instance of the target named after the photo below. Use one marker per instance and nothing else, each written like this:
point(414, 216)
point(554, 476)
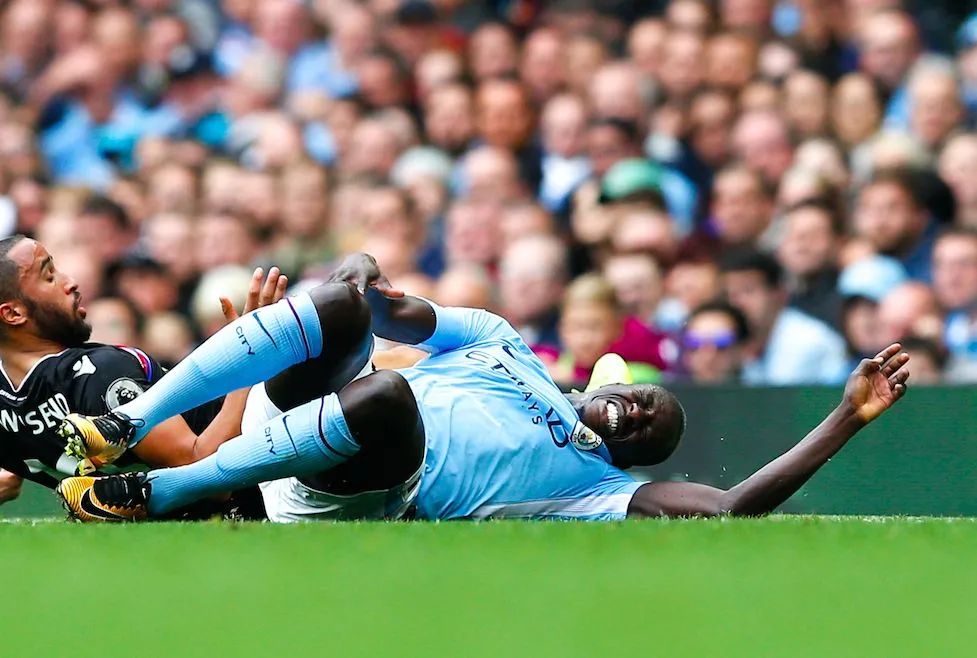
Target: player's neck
point(20, 356)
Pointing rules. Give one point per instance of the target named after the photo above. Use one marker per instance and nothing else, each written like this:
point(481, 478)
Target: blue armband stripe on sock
point(305, 338)
point(322, 433)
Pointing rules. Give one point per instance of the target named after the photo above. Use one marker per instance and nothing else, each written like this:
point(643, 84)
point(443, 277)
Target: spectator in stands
point(493, 52)
point(523, 218)
point(807, 251)
point(467, 286)
point(856, 109)
point(646, 46)
point(927, 360)
point(86, 269)
point(542, 66)
point(490, 172)
point(890, 214)
point(26, 37)
point(787, 346)
point(435, 69)
point(731, 60)
point(890, 45)
point(740, 212)
point(585, 55)
point(223, 240)
point(330, 67)
point(618, 91)
point(958, 167)
point(373, 150)
point(472, 235)
point(168, 337)
point(639, 181)
point(935, 100)
point(955, 286)
point(638, 284)
point(684, 67)
point(761, 138)
point(169, 239)
point(104, 226)
point(532, 278)
point(710, 115)
point(592, 324)
point(645, 231)
point(449, 117)
point(864, 285)
point(713, 343)
point(910, 309)
point(115, 321)
point(690, 16)
point(448, 136)
point(690, 283)
point(145, 283)
point(565, 164)
point(806, 103)
point(504, 119)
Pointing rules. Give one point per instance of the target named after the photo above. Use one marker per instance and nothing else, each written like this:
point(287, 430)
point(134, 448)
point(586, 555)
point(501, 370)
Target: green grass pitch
point(783, 586)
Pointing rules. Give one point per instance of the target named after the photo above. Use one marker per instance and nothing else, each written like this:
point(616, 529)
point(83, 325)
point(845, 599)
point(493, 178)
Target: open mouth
point(613, 416)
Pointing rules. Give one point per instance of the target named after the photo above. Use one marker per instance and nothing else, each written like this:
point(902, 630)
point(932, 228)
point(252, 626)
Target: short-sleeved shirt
point(502, 439)
point(90, 380)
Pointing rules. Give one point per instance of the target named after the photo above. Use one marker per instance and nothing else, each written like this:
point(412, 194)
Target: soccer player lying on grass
point(476, 430)
point(48, 369)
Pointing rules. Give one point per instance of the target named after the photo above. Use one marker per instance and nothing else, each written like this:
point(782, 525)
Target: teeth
point(612, 417)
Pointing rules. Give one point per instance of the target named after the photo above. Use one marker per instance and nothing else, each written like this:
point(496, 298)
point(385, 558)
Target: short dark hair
point(903, 177)
point(98, 204)
point(927, 346)
point(9, 272)
point(626, 127)
point(742, 260)
point(740, 324)
point(669, 430)
point(825, 205)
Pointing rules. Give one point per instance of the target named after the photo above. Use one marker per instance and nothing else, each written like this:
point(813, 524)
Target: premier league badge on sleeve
point(585, 438)
point(120, 392)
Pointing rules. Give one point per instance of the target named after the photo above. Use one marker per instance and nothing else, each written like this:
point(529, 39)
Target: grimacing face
point(640, 424)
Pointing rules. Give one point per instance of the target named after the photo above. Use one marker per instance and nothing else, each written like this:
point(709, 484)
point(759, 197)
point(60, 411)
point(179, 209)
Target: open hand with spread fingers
point(878, 383)
point(259, 294)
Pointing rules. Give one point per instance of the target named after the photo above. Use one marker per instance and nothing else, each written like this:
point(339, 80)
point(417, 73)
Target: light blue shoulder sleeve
point(457, 327)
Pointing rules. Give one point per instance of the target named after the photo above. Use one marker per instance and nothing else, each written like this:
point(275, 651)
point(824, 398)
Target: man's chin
point(81, 335)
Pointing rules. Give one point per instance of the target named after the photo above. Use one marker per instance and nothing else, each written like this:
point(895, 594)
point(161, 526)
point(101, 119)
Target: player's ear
point(13, 313)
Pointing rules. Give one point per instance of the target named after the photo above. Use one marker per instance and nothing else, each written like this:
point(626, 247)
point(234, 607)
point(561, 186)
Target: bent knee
point(391, 391)
point(340, 304)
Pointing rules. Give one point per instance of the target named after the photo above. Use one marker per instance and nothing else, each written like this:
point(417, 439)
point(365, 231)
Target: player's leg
point(332, 318)
point(348, 342)
point(377, 413)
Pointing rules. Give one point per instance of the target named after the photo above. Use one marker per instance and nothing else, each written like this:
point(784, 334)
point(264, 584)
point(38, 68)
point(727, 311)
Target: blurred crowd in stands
point(721, 191)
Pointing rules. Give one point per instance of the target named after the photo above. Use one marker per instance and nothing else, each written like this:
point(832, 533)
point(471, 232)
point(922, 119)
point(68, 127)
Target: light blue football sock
point(250, 350)
point(308, 439)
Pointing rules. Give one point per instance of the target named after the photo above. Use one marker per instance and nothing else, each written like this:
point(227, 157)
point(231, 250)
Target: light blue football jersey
point(502, 440)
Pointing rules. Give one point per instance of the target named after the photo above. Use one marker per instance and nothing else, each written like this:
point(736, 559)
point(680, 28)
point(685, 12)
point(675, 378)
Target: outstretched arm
point(874, 386)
